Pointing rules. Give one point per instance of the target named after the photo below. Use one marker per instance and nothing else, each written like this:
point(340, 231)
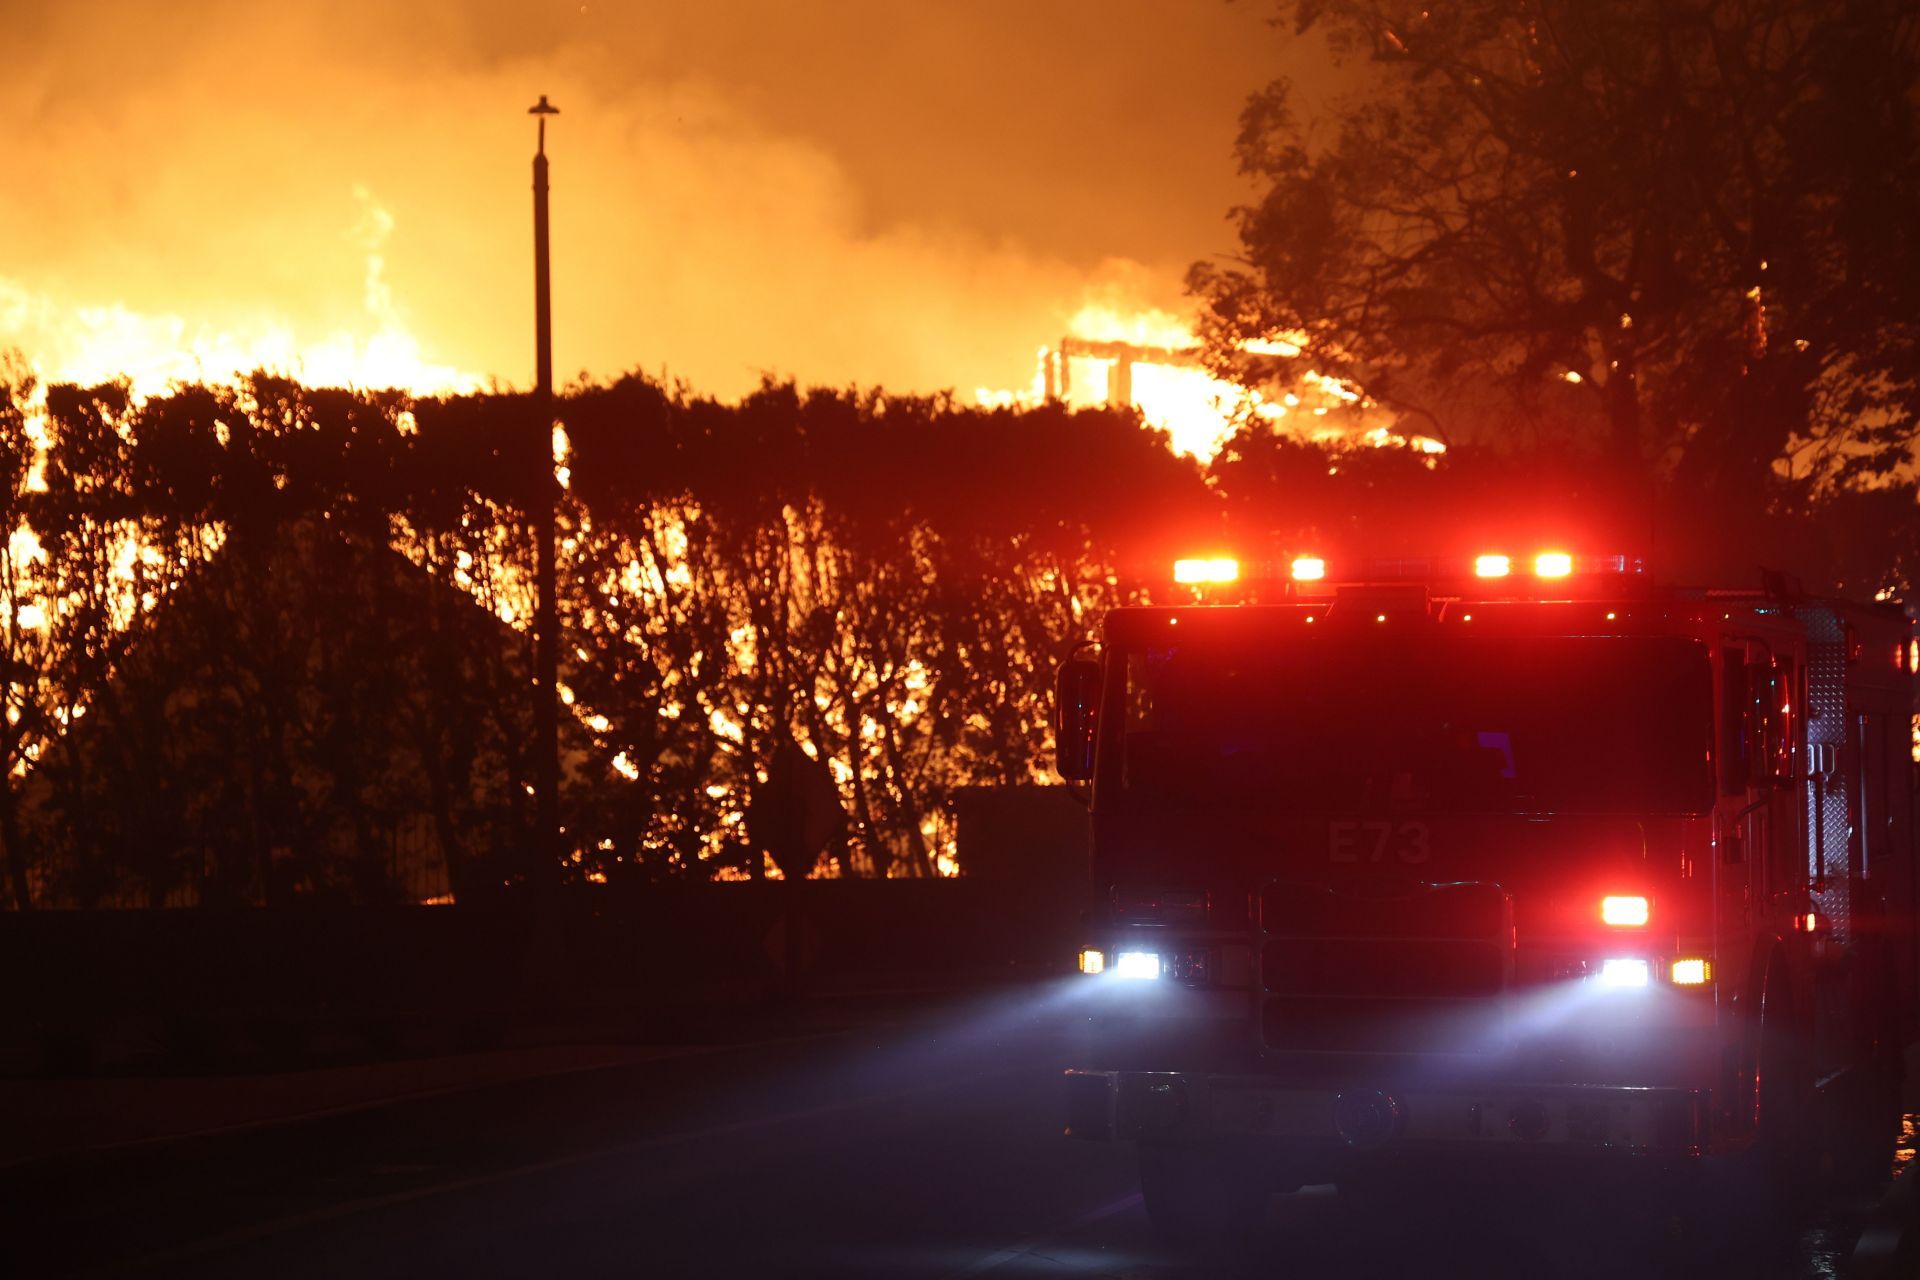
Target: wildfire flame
point(1149, 358)
point(90, 341)
point(1148, 327)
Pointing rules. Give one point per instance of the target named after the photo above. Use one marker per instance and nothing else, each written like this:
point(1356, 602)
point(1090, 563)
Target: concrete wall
point(196, 990)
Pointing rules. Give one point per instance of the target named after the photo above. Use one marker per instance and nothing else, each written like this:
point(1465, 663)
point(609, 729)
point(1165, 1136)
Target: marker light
point(1137, 964)
point(1552, 564)
point(1093, 961)
point(1492, 566)
point(1195, 571)
point(1807, 922)
point(1624, 971)
point(1623, 913)
point(1692, 971)
point(1309, 569)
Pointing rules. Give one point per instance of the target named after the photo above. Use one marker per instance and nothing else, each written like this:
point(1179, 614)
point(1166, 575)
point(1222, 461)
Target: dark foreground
point(895, 1139)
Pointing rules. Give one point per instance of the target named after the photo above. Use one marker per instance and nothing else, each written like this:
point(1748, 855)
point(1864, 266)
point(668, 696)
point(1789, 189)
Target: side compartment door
point(1739, 839)
point(1760, 867)
point(1736, 878)
point(1781, 709)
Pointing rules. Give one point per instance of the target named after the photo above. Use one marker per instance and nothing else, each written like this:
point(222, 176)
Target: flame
point(92, 341)
point(562, 456)
point(1150, 357)
point(1150, 327)
point(96, 342)
point(1196, 409)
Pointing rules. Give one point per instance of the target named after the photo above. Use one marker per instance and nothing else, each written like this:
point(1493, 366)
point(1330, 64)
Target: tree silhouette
point(1682, 233)
point(273, 626)
point(24, 636)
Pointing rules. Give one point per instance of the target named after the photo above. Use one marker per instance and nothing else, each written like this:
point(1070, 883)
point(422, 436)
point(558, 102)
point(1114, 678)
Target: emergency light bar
point(1545, 565)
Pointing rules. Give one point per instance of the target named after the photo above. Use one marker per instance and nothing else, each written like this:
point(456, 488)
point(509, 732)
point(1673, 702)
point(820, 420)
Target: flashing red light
point(1808, 922)
point(1309, 569)
point(1624, 911)
point(1492, 566)
point(1552, 564)
point(1198, 571)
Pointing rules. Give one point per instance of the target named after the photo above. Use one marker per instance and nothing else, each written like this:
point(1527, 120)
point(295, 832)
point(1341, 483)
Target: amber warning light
point(1692, 971)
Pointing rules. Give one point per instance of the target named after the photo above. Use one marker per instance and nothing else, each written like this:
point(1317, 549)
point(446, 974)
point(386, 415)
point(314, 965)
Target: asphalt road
point(902, 1141)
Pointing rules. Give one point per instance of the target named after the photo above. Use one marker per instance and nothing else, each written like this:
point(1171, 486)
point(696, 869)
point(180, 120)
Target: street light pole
point(546, 720)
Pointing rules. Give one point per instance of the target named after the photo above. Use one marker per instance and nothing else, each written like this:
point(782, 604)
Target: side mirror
point(1076, 715)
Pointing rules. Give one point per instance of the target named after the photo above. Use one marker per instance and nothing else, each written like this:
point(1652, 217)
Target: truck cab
point(1470, 865)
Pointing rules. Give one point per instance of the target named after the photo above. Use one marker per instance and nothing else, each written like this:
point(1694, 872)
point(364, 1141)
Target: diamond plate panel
point(1827, 797)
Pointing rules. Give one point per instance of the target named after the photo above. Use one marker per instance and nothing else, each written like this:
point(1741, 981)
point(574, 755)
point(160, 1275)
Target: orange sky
point(850, 191)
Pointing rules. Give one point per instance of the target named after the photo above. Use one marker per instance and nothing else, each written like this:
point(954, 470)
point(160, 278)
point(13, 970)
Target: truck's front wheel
point(1867, 1106)
point(1749, 1205)
point(1202, 1197)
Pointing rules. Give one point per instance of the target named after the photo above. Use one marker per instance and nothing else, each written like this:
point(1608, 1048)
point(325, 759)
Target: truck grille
point(1417, 972)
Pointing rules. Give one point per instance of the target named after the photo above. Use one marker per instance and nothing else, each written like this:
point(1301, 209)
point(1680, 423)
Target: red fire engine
point(1444, 863)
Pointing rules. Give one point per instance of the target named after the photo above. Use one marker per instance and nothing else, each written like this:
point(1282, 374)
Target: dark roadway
point(904, 1141)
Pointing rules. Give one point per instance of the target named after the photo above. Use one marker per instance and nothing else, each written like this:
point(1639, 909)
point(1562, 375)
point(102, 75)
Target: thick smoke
point(858, 192)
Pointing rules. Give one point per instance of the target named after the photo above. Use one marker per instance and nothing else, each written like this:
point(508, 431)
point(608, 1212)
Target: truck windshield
point(1614, 725)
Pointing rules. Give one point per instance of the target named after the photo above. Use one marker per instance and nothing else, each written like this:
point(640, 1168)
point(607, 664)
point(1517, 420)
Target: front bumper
point(1104, 1105)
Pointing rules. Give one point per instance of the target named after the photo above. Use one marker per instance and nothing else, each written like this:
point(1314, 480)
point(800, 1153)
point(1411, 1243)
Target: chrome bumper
point(1104, 1105)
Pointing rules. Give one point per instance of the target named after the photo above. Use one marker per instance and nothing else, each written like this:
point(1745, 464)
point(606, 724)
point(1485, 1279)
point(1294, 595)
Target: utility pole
point(546, 624)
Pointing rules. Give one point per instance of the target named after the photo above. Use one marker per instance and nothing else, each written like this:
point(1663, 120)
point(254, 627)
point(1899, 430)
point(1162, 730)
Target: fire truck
point(1416, 867)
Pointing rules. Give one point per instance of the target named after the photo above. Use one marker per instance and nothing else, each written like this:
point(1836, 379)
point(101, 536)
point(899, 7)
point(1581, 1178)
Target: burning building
point(1150, 360)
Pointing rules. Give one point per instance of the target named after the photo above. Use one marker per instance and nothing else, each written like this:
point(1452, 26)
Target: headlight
point(1624, 971)
point(1137, 964)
